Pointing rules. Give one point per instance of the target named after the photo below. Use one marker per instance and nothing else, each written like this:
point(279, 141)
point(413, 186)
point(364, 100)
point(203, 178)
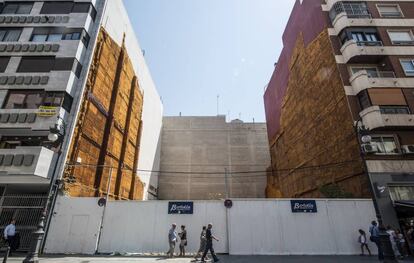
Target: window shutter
point(387, 97)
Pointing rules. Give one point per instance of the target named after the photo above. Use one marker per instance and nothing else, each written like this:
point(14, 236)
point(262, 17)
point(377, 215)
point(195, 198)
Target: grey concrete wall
point(200, 145)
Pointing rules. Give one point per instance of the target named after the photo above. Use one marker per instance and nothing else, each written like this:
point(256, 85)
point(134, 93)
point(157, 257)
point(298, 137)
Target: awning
point(405, 208)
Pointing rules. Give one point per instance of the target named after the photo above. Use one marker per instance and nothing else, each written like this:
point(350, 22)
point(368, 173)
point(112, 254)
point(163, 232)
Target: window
point(408, 66)
point(17, 8)
point(4, 61)
point(366, 39)
point(363, 99)
point(23, 99)
point(57, 34)
point(47, 64)
point(395, 110)
point(389, 10)
point(32, 99)
point(371, 71)
point(65, 7)
point(402, 193)
point(10, 34)
point(36, 64)
point(401, 37)
point(385, 144)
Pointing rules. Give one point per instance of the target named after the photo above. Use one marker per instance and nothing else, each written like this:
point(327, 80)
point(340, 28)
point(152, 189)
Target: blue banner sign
point(185, 208)
point(303, 206)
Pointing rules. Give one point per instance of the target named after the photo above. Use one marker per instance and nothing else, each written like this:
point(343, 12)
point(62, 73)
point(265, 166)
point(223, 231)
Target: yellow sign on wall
point(47, 111)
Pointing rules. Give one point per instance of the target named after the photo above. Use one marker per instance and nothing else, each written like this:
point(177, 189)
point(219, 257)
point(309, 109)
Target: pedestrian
point(401, 243)
point(10, 236)
point(172, 239)
point(393, 240)
point(203, 242)
point(183, 241)
point(410, 236)
point(362, 239)
point(209, 244)
point(374, 231)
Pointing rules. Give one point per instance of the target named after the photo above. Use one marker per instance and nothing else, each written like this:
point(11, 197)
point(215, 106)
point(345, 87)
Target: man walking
point(209, 245)
point(10, 235)
point(172, 239)
point(374, 231)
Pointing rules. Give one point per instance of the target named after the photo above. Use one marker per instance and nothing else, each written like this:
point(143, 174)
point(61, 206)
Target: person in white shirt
point(393, 237)
point(10, 234)
point(362, 239)
point(172, 239)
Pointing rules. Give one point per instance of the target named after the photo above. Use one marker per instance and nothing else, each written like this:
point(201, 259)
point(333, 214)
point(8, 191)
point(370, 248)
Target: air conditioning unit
point(408, 149)
point(369, 148)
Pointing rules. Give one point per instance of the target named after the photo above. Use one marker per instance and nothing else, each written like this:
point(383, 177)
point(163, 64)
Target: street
point(223, 258)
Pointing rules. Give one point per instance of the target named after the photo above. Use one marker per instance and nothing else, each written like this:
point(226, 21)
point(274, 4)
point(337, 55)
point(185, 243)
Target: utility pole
point(108, 188)
point(226, 178)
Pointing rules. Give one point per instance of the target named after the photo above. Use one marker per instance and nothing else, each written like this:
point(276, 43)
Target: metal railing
point(381, 74)
point(352, 10)
point(369, 43)
point(26, 210)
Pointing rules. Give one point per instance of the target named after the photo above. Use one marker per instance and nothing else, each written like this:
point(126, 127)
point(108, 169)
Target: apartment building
point(76, 98)
point(346, 70)
point(207, 158)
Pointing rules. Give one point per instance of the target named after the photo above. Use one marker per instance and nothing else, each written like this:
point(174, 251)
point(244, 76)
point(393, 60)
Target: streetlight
point(363, 137)
point(56, 136)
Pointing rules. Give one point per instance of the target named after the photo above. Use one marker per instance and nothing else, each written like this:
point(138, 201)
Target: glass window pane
point(15, 101)
point(39, 38)
point(33, 101)
point(389, 145)
point(408, 66)
point(12, 35)
point(378, 142)
point(68, 36)
point(10, 9)
point(400, 36)
point(2, 34)
point(76, 36)
point(24, 9)
point(54, 37)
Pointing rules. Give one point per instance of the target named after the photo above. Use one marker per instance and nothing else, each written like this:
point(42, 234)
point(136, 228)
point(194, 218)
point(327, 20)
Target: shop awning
point(405, 207)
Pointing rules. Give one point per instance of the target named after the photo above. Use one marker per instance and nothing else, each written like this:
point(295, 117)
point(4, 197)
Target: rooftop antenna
point(253, 120)
point(239, 115)
point(180, 113)
point(218, 97)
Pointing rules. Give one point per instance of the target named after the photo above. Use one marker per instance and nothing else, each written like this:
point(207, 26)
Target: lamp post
point(56, 136)
point(363, 137)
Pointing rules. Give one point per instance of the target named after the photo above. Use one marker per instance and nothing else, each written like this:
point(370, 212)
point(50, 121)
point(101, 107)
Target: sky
point(197, 50)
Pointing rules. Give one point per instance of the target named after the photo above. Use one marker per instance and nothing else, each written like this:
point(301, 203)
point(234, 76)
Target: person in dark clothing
point(11, 237)
point(183, 243)
point(209, 245)
point(374, 231)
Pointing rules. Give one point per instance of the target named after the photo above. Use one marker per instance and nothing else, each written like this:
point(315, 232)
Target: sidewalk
point(223, 258)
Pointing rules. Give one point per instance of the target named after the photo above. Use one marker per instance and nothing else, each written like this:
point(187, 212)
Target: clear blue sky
point(197, 49)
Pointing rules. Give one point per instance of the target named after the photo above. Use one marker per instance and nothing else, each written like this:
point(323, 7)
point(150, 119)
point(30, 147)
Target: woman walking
point(183, 243)
point(362, 239)
point(203, 242)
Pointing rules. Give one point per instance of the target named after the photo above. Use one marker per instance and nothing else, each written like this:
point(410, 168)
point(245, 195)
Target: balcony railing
point(352, 10)
point(381, 74)
point(369, 43)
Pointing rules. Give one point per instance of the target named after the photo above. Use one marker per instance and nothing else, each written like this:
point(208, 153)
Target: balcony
point(49, 81)
point(352, 51)
point(382, 79)
point(29, 122)
point(344, 20)
point(63, 48)
point(373, 119)
point(25, 165)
